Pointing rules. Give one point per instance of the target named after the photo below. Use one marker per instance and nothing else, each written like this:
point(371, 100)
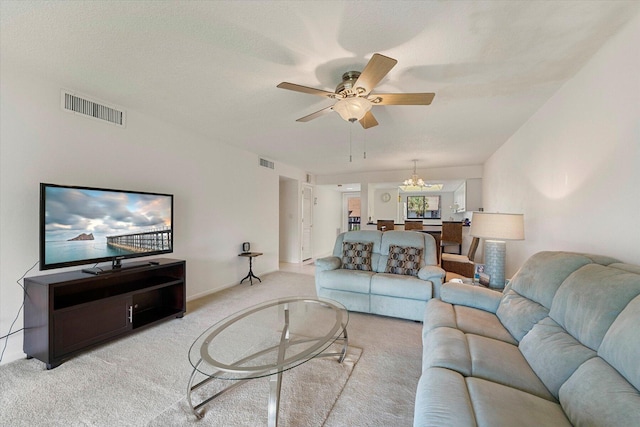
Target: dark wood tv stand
point(66, 313)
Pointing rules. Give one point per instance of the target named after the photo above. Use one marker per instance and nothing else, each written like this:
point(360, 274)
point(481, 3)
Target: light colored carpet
point(309, 391)
point(142, 379)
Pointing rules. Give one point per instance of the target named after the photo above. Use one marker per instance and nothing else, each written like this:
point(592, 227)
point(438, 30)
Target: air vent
point(267, 164)
point(87, 107)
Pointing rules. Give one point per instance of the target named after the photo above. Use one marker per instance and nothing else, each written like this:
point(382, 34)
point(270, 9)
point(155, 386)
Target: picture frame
point(485, 279)
point(478, 269)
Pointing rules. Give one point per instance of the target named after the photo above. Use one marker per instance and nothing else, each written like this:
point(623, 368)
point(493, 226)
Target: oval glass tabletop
point(269, 338)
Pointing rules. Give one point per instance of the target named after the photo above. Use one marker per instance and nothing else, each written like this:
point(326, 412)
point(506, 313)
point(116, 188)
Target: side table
point(251, 256)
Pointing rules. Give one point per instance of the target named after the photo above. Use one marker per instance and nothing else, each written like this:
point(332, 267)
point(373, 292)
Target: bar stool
point(386, 223)
point(451, 235)
point(412, 225)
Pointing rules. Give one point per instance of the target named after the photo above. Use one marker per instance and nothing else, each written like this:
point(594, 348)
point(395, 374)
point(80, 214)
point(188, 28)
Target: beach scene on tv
point(87, 224)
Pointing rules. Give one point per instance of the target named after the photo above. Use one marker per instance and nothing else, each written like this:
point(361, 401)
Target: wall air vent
point(267, 164)
point(80, 104)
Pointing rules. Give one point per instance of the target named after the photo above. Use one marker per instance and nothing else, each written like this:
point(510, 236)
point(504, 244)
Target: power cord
point(24, 295)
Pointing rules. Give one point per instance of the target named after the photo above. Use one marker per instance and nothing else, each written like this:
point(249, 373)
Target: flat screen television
point(84, 225)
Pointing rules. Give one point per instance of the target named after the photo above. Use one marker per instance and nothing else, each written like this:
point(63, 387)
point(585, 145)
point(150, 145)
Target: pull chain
point(364, 138)
point(350, 138)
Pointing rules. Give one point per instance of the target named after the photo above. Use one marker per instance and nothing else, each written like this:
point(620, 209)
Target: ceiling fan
point(354, 93)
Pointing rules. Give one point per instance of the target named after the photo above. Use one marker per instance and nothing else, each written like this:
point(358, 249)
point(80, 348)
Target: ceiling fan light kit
point(352, 109)
point(354, 93)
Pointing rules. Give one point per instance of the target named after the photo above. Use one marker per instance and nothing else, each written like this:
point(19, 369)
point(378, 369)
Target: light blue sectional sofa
point(375, 291)
point(559, 347)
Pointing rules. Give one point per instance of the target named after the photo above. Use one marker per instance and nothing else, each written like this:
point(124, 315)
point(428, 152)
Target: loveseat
point(559, 346)
point(360, 282)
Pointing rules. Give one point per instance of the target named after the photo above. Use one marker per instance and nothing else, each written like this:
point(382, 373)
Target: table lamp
point(495, 228)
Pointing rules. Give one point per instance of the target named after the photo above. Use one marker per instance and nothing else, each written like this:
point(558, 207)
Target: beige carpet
point(309, 391)
point(141, 379)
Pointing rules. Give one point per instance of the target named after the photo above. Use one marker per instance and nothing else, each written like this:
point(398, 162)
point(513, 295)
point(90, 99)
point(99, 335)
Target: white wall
point(41, 143)
point(381, 209)
point(574, 168)
point(327, 219)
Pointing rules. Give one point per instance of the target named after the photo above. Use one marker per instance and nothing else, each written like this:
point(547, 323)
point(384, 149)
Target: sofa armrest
point(430, 272)
point(328, 263)
point(471, 296)
point(435, 275)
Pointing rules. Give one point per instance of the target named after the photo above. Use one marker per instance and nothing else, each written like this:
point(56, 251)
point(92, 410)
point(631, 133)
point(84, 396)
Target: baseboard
point(220, 288)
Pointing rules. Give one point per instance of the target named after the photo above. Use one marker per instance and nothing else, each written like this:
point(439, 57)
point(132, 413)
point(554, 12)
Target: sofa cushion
point(597, 395)
point(543, 273)
point(403, 260)
point(357, 255)
point(467, 319)
point(438, 314)
point(446, 348)
point(518, 314)
point(590, 299)
point(621, 345)
point(480, 322)
point(345, 280)
point(395, 285)
point(499, 405)
point(528, 297)
point(502, 363)
point(553, 354)
point(481, 357)
point(442, 400)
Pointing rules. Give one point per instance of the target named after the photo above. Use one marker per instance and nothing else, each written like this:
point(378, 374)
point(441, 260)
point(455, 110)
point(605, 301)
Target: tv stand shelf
point(66, 313)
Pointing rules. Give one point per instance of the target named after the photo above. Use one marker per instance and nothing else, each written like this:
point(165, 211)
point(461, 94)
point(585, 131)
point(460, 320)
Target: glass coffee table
point(264, 341)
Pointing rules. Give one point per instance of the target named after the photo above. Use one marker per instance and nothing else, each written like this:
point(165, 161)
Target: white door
point(307, 221)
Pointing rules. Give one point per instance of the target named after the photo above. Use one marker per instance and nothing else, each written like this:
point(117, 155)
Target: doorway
point(351, 212)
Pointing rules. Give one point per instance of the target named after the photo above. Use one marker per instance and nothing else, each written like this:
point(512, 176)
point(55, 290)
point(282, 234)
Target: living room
point(572, 167)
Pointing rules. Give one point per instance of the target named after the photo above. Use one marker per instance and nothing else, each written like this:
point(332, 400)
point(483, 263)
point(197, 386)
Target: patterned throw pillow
point(357, 255)
point(403, 260)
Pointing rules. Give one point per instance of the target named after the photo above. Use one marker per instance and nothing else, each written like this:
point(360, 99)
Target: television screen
point(82, 225)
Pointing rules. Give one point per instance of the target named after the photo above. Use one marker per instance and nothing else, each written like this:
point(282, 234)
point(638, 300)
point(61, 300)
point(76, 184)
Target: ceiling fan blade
point(305, 89)
point(375, 70)
point(317, 114)
point(403, 98)
point(368, 121)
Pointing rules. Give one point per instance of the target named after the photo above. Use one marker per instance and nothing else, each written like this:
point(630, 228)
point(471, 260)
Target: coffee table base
point(275, 378)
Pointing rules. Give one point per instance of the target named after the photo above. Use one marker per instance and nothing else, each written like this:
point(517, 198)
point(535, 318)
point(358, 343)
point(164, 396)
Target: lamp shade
point(352, 109)
point(498, 226)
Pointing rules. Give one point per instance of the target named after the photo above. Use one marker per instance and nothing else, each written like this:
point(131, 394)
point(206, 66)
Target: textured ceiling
point(213, 67)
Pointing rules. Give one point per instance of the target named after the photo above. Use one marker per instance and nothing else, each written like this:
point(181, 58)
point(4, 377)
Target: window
point(423, 207)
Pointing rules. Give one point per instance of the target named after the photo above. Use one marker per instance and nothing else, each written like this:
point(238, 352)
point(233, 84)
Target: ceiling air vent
point(267, 164)
point(87, 107)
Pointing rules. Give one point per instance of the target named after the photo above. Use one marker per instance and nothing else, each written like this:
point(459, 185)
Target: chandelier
point(415, 183)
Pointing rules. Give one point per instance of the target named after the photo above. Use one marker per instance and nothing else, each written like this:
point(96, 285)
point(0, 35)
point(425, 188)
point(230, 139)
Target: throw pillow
point(403, 260)
point(357, 255)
